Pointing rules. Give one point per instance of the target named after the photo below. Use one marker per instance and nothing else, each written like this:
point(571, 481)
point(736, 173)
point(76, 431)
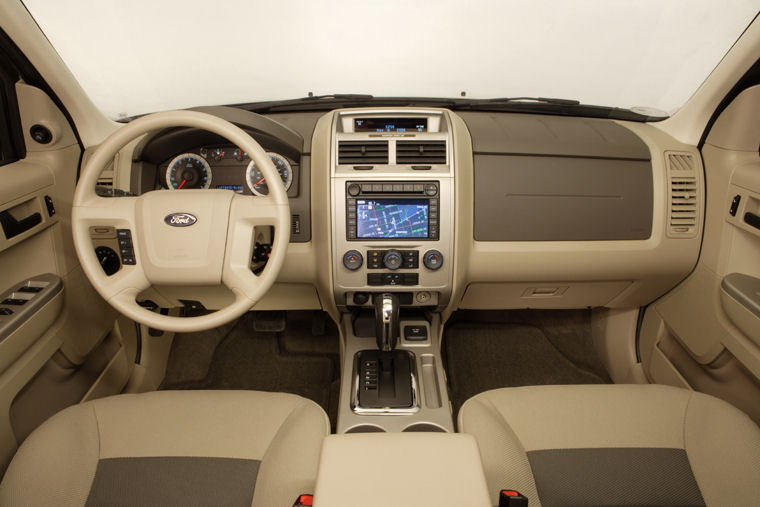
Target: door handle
point(13, 227)
point(752, 219)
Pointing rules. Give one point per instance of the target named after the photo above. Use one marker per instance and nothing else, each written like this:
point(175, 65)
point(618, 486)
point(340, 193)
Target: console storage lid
point(382, 469)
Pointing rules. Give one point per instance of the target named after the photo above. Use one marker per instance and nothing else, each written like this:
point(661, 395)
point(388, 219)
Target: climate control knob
point(353, 260)
point(392, 259)
point(433, 259)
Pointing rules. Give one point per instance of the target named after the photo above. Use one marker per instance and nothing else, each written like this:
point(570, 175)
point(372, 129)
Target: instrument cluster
point(223, 167)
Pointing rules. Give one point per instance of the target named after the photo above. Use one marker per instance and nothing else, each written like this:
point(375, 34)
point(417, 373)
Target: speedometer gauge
point(188, 171)
point(256, 181)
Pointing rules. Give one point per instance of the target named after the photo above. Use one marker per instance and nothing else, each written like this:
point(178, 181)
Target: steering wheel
point(182, 237)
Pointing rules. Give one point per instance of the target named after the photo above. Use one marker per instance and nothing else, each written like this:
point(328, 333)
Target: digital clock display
point(390, 124)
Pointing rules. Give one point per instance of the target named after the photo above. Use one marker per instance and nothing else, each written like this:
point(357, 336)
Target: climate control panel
point(407, 262)
point(393, 259)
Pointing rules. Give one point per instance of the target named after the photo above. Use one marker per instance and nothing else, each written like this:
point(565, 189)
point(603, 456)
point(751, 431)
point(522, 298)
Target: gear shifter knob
point(386, 321)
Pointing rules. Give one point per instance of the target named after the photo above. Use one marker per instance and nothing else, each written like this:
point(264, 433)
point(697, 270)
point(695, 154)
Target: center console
point(392, 197)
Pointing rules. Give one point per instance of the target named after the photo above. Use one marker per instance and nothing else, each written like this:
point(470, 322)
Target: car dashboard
point(495, 210)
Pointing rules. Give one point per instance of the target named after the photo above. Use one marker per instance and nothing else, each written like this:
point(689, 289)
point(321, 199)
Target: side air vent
point(362, 152)
point(683, 219)
point(421, 152)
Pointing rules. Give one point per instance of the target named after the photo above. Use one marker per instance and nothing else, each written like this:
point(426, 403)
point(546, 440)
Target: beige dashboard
point(569, 167)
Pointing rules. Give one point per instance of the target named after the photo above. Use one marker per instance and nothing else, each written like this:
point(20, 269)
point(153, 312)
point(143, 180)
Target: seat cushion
point(615, 445)
point(172, 448)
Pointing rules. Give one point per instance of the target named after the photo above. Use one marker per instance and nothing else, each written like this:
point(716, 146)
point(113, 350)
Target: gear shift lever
point(386, 321)
point(386, 373)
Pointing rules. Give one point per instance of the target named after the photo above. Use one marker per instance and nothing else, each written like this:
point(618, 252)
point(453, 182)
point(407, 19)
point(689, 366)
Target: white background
point(137, 56)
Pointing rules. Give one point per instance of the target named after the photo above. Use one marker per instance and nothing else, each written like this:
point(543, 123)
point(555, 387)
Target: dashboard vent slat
point(362, 152)
point(683, 218)
point(421, 152)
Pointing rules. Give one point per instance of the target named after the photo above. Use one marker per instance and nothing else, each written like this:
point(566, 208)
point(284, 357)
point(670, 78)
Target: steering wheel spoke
point(247, 213)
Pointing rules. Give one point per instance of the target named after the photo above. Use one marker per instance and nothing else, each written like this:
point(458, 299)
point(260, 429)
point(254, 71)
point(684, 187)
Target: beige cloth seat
point(220, 448)
point(615, 445)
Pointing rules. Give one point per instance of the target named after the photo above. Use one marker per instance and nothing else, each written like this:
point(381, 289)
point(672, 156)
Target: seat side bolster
point(504, 459)
point(289, 466)
point(723, 447)
point(56, 464)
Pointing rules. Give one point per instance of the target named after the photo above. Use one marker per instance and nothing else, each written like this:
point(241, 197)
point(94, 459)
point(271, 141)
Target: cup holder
point(425, 427)
point(365, 428)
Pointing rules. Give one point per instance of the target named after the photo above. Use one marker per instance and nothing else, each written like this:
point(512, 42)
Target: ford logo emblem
point(180, 219)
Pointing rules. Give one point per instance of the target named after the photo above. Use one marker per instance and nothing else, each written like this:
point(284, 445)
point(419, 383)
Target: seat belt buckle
point(304, 500)
point(511, 498)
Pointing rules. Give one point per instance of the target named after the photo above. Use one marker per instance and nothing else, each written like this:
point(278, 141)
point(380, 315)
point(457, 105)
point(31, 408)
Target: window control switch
point(13, 301)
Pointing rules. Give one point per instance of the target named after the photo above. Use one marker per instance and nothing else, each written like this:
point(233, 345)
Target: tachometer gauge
point(255, 179)
point(188, 171)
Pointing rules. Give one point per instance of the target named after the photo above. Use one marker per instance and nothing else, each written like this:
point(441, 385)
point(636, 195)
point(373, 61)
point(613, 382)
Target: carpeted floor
point(488, 350)
point(238, 357)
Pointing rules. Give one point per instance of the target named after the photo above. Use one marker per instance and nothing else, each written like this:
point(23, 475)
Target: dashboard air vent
point(683, 216)
point(421, 152)
point(362, 152)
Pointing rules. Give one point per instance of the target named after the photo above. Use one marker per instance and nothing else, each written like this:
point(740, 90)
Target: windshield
point(145, 55)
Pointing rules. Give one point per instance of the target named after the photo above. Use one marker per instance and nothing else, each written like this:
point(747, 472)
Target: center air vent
point(362, 152)
point(684, 202)
point(421, 152)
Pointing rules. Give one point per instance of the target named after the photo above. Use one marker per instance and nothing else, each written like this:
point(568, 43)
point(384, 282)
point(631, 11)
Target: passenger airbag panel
point(550, 198)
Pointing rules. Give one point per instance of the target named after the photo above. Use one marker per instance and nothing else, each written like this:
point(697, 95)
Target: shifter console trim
point(357, 409)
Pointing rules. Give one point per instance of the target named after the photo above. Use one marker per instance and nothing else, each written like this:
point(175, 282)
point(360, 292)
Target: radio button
point(388, 188)
point(354, 189)
point(419, 187)
point(377, 188)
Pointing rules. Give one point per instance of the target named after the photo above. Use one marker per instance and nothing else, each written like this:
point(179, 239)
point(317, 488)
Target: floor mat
point(488, 355)
point(237, 357)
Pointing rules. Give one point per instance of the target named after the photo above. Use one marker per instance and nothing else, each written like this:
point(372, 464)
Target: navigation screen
point(390, 125)
point(392, 218)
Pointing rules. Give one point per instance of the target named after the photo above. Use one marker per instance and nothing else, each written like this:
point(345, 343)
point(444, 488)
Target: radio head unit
point(390, 210)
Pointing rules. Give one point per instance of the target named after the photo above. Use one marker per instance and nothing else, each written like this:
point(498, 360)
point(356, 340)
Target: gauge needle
point(258, 182)
point(182, 184)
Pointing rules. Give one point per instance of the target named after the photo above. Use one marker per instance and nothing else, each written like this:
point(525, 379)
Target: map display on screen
point(392, 218)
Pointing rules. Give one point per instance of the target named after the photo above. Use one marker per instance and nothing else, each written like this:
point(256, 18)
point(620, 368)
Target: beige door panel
point(705, 333)
point(75, 319)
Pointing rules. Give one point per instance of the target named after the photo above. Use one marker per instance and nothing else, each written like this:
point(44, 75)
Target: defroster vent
point(362, 152)
point(421, 152)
